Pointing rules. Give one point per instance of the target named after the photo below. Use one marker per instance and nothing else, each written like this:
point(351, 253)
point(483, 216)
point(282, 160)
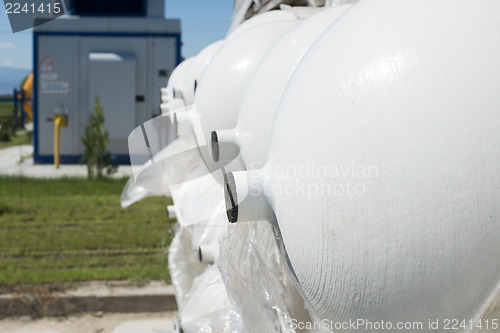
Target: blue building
point(120, 51)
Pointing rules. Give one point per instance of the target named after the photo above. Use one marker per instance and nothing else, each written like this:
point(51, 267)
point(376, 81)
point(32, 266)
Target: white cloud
point(12, 64)
point(6, 45)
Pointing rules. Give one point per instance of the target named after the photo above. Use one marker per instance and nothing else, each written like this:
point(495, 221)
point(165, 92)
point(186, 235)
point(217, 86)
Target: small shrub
point(8, 128)
point(5, 208)
point(95, 142)
point(4, 134)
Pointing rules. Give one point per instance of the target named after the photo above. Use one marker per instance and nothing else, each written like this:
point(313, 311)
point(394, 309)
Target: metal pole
point(23, 100)
point(16, 118)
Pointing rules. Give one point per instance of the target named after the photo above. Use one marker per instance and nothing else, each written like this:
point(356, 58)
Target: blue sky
point(203, 22)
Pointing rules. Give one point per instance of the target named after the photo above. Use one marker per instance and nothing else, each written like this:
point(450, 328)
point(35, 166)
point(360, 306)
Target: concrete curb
point(133, 300)
point(10, 166)
point(29, 305)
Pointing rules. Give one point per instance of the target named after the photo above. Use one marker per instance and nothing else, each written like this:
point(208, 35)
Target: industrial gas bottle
point(176, 79)
point(382, 168)
point(261, 99)
point(196, 69)
point(226, 79)
point(172, 95)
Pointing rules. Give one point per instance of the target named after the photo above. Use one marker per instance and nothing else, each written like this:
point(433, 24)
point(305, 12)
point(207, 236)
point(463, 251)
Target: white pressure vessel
point(172, 95)
point(382, 168)
point(195, 71)
point(260, 102)
point(225, 80)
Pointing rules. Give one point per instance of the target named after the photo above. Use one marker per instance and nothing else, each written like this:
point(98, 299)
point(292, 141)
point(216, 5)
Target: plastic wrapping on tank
point(174, 163)
point(247, 9)
point(201, 212)
point(132, 193)
point(198, 200)
point(183, 265)
point(147, 145)
point(239, 12)
point(301, 13)
point(333, 3)
point(202, 299)
point(196, 193)
point(262, 295)
point(207, 308)
point(206, 235)
point(201, 207)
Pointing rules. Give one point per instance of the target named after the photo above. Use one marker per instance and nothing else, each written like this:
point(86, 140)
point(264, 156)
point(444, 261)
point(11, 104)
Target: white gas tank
point(261, 99)
point(171, 96)
point(195, 71)
point(226, 79)
point(383, 165)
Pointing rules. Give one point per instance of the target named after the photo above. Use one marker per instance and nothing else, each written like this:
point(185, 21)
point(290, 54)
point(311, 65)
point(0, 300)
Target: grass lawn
point(22, 137)
point(6, 109)
point(74, 229)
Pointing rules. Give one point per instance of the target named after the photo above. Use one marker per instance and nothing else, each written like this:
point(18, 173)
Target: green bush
point(7, 129)
point(95, 143)
point(4, 208)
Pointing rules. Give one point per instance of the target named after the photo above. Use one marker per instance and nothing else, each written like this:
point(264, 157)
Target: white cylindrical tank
point(195, 71)
point(226, 78)
point(172, 96)
point(383, 164)
point(178, 94)
point(261, 99)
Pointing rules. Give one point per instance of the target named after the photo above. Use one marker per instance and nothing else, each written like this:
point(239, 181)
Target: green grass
point(74, 229)
point(6, 108)
point(22, 137)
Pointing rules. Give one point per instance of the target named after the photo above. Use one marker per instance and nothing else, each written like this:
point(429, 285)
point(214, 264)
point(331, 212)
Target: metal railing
point(19, 99)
